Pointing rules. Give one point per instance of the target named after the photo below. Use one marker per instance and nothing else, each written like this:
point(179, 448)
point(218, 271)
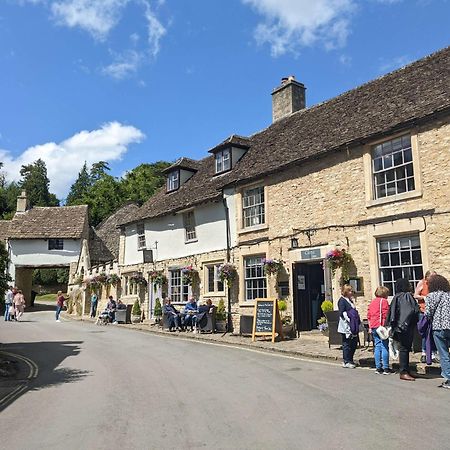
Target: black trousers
point(349, 347)
point(405, 340)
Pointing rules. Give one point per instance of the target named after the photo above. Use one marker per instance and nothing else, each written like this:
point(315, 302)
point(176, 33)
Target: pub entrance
point(309, 293)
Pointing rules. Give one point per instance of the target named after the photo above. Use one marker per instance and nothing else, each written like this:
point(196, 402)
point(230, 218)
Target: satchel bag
point(382, 331)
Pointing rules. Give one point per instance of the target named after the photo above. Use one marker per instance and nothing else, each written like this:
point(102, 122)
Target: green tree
point(80, 188)
point(8, 200)
point(4, 276)
point(36, 183)
point(143, 181)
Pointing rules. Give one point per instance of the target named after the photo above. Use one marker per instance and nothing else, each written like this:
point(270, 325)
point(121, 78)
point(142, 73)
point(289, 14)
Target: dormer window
point(173, 181)
point(223, 160)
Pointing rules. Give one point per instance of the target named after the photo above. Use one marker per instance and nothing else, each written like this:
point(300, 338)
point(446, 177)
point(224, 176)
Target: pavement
point(311, 344)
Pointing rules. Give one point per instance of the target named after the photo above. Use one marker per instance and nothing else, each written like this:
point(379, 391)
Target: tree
point(8, 200)
point(4, 276)
point(143, 181)
point(36, 183)
point(80, 188)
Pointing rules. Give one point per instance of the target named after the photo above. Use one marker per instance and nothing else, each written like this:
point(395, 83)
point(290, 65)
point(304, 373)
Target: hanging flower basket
point(102, 278)
point(227, 273)
point(339, 259)
point(272, 266)
point(189, 275)
point(137, 278)
point(157, 279)
point(92, 282)
point(113, 279)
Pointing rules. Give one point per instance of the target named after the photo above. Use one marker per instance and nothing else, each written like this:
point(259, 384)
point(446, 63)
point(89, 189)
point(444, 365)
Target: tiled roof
point(49, 222)
point(104, 240)
point(399, 99)
point(233, 140)
point(4, 229)
point(183, 163)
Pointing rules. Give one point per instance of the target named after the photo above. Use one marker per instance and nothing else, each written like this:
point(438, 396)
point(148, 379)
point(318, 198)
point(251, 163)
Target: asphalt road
point(114, 388)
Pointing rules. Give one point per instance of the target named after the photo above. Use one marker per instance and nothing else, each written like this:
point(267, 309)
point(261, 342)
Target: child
point(376, 315)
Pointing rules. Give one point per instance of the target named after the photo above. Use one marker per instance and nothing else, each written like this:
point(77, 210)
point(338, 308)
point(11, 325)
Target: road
point(115, 388)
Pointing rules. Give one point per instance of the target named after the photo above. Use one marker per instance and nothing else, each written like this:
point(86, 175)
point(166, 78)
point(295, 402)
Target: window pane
point(395, 259)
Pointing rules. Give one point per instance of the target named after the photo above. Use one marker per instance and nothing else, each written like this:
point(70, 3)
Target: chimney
point(22, 203)
point(287, 98)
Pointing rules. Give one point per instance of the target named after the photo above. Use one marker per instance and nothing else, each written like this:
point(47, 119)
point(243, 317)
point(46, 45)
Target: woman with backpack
point(402, 318)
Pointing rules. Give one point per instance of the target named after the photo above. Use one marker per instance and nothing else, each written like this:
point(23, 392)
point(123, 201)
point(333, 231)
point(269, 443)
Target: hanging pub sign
point(266, 319)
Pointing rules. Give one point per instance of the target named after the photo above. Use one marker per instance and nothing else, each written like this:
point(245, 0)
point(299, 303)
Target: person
point(59, 304)
point(9, 297)
point(190, 311)
point(437, 309)
point(121, 305)
point(172, 315)
point(19, 304)
point(376, 316)
point(349, 339)
point(402, 318)
point(94, 304)
point(420, 293)
point(111, 307)
point(207, 307)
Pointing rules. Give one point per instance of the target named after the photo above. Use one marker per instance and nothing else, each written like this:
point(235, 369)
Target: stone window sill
point(262, 227)
point(394, 198)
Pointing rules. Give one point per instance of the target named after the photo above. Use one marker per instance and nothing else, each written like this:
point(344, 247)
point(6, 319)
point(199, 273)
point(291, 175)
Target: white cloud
point(394, 63)
point(124, 64)
point(64, 160)
point(291, 24)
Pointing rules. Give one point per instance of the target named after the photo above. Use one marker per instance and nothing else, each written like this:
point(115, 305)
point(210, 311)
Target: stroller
point(103, 318)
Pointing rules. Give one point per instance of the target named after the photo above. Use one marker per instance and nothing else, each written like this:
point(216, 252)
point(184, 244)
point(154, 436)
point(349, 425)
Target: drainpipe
point(227, 222)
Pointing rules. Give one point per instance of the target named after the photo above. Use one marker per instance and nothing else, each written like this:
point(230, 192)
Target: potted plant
point(322, 325)
point(157, 279)
point(332, 319)
point(272, 266)
point(137, 278)
point(189, 275)
point(113, 279)
point(157, 311)
point(339, 258)
point(227, 273)
point(136, 312)
point(221, 317)
point(286, 320)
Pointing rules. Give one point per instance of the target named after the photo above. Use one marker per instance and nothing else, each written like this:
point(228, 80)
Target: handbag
point(382, 331)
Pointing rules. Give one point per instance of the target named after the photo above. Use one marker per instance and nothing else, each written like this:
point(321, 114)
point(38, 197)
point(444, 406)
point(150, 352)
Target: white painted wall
point(169, 232)
point(35, 252)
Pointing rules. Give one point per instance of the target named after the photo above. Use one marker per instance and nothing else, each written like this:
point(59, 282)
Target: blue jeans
point(7, 317)
point(58, 311)
point(381, 351)
point(442, 341)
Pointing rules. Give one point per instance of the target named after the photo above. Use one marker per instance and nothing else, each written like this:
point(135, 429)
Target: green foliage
point(36, 183)
point(158, 308)
point(8, 199)
point(136, 311)
point(4, 276)
point(48, 277)
point(327, 306)
point(282, 305)
point(220, 312)
point(80, 188)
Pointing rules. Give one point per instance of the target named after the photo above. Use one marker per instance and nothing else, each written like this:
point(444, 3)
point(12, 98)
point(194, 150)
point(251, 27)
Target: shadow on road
point(47, 356)
point(47, 306)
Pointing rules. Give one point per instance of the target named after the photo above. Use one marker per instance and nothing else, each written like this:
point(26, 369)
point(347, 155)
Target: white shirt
point(9, 297)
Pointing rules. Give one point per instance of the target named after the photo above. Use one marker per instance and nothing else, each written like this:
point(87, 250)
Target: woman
point(402, 318)
point(346, 308)
point(19, 304)
point(437, 309)
point(59, 304)
point(420, 293)
point(376, 316)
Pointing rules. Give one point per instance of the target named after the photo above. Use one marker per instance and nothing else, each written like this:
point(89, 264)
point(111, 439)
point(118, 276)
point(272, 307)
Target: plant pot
point(221, 326)
point(135, 319)
point(288, 329)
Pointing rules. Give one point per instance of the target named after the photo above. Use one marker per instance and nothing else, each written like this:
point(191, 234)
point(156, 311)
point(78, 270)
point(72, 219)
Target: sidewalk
point(313, 345)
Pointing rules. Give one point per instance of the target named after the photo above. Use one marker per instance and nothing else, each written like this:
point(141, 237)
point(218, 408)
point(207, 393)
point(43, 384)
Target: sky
point(137, 81)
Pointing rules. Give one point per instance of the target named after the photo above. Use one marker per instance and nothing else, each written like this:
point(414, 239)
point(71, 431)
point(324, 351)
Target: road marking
point(34, 370)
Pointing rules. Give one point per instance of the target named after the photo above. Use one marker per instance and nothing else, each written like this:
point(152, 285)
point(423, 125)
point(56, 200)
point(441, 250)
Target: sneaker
point(350, 365)
point(387, 371)
point(445, 384)
point(423, 359)
point(435, 359)
point(378, 371)
point(58, 320)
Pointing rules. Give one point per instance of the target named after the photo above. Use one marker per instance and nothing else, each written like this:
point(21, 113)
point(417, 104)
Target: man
point(9, 296)
point(172, 315)
point(189, 313)
point(111, 308)
point(59, 304)
point(94, 303)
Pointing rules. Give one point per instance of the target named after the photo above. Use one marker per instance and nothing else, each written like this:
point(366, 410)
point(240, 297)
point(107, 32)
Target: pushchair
point(103, 318)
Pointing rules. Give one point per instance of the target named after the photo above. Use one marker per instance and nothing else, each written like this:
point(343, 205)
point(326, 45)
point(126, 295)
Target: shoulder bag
point(382, 331)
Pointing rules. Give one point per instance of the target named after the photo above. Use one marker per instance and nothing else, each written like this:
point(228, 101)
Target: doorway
point(309, 293)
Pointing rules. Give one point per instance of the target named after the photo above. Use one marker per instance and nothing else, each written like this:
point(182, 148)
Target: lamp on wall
point(294, 242)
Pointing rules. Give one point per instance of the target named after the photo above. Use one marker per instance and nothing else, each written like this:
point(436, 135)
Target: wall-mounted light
point(294, 242)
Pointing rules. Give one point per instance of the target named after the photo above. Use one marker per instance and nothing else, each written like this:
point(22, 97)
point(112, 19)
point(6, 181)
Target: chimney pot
point(287, 98)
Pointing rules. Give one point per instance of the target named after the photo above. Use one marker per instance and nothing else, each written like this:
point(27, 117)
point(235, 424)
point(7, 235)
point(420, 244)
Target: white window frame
point(56, 244)
point(216, 283)
point(141, 236)
point(255, 281)
point(393, 253)
point(223, 160)
point(178, 291)
point(190, 233)
point(173, 180)
point(253, 207)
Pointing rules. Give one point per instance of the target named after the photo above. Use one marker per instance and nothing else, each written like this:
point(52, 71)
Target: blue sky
point(132, 81)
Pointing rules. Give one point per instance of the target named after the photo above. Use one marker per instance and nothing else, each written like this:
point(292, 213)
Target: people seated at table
point(190, 311)
point(121, 305)
point(173, 315)
point(111, 307)
point(207, 307)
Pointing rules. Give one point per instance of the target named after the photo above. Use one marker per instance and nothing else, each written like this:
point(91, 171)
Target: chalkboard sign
point(266, 318)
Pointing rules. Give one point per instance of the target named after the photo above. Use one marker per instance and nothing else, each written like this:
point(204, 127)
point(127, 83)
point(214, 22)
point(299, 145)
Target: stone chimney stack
point(287, 98)
point(22, 203)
